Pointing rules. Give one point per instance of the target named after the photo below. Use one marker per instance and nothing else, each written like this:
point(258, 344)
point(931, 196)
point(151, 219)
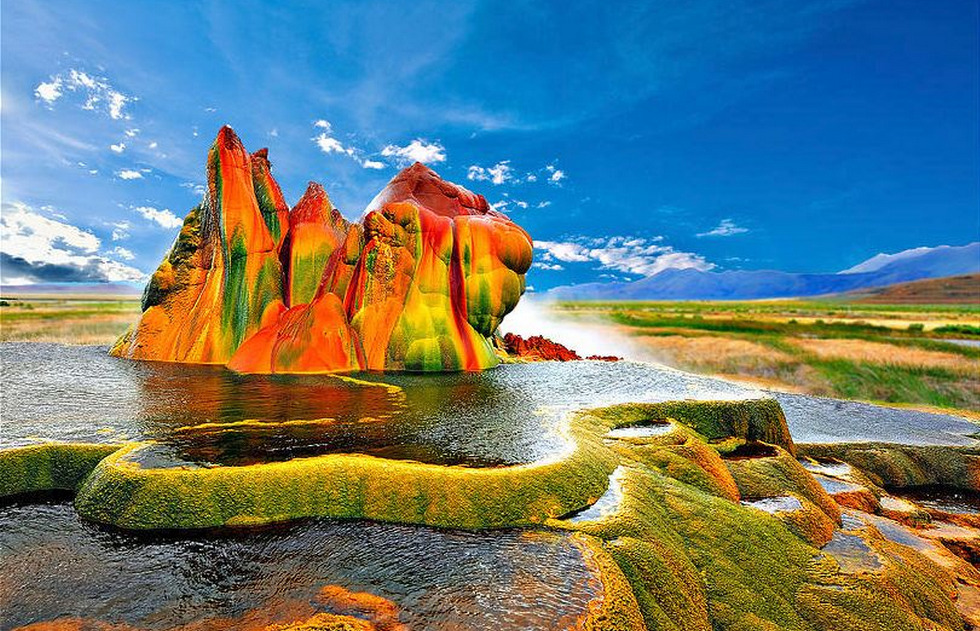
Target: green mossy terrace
point(679, 551)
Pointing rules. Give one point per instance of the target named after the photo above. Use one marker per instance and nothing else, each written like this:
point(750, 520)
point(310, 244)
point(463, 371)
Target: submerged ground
point(533, 496)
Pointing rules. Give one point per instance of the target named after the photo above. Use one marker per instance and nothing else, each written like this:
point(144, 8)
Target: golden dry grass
point(708, 351)
point(736, 359)
point(883, 353)
point(66, 321)
point(101, 329)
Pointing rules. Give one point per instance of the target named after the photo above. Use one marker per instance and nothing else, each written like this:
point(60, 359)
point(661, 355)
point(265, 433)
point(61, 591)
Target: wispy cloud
point(555, 175)
point(194, 187)
point(36, 247)
point(548, 266)
point(634, 255)
point(504, 173)
point(726, 228)
point(328, 144)
point(418, 150)
point(164, 217)
point(122, 253)
point(97, 93)
point(120, 230)
point(499, 173)
point(129, 174)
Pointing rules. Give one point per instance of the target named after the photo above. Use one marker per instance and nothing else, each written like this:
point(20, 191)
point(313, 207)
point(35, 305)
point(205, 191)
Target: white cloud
point(36, 248)
point(163, 217)
point(49, 92)
point(118, 148)
point(726, 228)
point(153, 145)
point(328, 144)
point(500, 206)
point(196, 189)
point(416, 151)
point(98, 93)
point(544, 204)
point(547, 266)
point(129, 174)
point(556, 174)
point(634, 255)
point(497, 174)
point(503, 173)
point(122, 253)
point(120, 230)
point(131, 133)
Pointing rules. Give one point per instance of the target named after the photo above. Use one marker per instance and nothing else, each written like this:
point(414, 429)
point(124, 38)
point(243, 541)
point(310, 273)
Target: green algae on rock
point(679, 551)
point(900, 466)
point(750, 419)
point(714, 564)
point(123, 492)
point(49, 467)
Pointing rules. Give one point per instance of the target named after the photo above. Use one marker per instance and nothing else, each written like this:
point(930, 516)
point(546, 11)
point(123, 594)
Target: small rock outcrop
point(540, 348)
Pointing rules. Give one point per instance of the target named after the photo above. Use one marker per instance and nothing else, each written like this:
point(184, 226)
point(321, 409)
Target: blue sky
point(625, 137)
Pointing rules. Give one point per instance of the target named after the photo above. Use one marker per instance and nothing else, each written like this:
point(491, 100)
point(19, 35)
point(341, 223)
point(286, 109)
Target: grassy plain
point(900, 354)
point(82, 319)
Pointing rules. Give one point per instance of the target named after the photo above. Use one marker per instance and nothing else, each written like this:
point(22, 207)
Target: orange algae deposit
point(421, 283)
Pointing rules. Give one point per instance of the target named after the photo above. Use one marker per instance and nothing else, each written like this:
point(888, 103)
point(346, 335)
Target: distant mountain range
point(691, 284)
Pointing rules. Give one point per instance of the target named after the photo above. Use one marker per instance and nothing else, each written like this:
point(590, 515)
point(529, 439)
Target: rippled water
point(943, 499)
point(822, 420)
point(773, 505)
point(503, 416)
point(54, 565)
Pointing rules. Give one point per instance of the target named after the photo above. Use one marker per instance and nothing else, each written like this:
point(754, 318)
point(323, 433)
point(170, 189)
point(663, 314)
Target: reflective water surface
point(53, 565)
point(502, 416)
point(945, 499)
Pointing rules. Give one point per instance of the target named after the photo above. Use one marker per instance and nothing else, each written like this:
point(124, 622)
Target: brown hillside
point(933, 291)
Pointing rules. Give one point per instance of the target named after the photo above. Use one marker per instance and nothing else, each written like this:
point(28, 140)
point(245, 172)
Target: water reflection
point(503, 416)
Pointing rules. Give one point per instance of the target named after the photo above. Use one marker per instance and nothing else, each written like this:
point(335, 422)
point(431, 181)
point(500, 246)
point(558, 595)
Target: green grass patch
point(899, 384)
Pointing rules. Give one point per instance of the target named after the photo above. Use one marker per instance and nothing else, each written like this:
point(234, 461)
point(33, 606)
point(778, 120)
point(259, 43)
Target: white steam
point(585, 334)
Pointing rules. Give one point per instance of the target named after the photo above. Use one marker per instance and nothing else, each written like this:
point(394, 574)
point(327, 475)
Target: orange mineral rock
point(421, 283)
point(272, 205)
point(316, 229)
point(221, 281)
